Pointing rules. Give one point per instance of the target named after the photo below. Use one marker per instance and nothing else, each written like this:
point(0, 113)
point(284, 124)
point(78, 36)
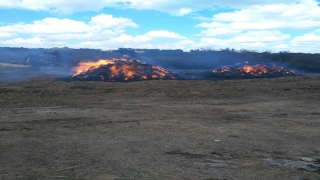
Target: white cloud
point(253, 40)
point(169, 6)
point(260, 36)
point(100, 27)
point(4, 34)
point(47, 26)
point(218, 32)
point(261, 27)
point(102, 32)
point(60, 6)
point(302, 8)
point(164, 34)
point(108, 21)
point(300, 15)
point(214, 43)
point(281, 47)
point(184, 11)
point(201, 18)
point(183, 44)
point(266, 41)
point(34, 42)
point(269, 25)
point(147, 40)
point(213, 24)
point(309, 42)
point(306, 39)
point(258, 25)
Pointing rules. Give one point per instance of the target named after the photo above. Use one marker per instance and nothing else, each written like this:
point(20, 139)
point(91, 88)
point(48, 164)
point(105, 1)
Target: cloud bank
point(264, 25)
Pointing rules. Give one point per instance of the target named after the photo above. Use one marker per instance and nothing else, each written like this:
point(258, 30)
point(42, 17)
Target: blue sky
point(266, 25)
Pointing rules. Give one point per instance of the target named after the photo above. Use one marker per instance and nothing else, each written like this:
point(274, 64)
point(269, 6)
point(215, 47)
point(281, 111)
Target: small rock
point(307, 159)
point(216, 140)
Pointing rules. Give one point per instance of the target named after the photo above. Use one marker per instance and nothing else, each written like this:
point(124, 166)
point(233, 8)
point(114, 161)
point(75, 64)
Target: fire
point(119, 70)
point(247, 69)
point(87, 66)
point(256, 70)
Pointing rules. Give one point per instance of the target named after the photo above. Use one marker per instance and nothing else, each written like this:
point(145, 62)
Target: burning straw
point(119, 70)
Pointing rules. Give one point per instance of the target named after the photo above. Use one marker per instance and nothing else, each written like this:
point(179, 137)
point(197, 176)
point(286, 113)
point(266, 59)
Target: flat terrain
point(234, 129)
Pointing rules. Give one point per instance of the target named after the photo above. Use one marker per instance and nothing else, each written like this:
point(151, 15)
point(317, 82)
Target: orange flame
point(253, 70)
point(87, 66)
point(120, 68)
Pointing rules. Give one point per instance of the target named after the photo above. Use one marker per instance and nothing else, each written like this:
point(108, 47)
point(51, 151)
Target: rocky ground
point(234, 129)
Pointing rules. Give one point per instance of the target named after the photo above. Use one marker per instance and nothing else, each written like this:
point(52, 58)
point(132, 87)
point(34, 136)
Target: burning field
point(247, 70)
point(186, 126)
point(124, 70)
point(119, 70)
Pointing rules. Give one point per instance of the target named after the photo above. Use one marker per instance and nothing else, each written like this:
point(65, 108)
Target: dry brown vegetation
point(235, 129)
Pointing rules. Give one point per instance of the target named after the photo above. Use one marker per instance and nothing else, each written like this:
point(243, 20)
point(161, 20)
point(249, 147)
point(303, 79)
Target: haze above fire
point(285, 25)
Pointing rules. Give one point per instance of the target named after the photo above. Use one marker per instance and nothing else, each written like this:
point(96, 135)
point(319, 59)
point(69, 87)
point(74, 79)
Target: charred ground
point(235, 129)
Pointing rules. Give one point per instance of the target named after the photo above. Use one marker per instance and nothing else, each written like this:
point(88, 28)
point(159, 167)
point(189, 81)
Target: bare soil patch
point(234, 129)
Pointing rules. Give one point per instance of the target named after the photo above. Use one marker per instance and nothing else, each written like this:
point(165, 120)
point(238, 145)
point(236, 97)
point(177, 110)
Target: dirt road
point(241, 129)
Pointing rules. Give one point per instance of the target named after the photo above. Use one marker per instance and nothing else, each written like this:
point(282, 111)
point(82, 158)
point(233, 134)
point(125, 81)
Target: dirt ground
point(233, 129)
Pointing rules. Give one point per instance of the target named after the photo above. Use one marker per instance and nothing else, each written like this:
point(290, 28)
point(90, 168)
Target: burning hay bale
point(125, 70)
point(119, 70)
point(251, 71)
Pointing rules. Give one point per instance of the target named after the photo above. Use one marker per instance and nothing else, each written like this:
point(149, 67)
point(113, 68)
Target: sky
point(265, 25)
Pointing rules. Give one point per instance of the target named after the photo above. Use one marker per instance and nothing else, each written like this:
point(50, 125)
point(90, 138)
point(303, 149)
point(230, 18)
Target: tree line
point(173, 59)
